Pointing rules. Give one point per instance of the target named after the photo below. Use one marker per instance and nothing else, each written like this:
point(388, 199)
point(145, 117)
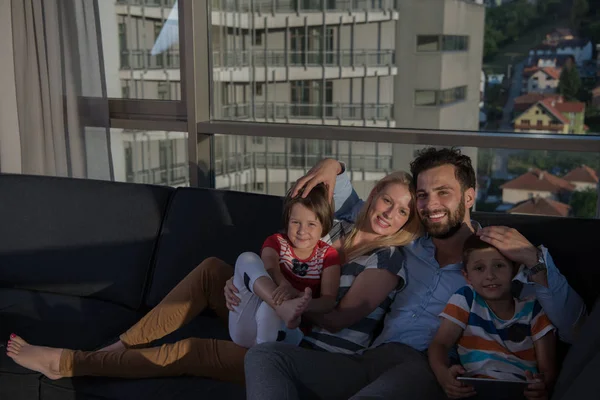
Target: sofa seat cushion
point(53, 320)
point(176, 388)
point(59, 321)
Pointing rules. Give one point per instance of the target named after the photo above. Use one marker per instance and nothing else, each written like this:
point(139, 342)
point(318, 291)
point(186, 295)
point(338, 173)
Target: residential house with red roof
point(536, 183)
point(583, 177)
point(552, 115)
point(541, 206)
point(540, 80)
point(525, 101)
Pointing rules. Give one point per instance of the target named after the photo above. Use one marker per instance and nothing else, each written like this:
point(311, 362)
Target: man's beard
point(440, 230)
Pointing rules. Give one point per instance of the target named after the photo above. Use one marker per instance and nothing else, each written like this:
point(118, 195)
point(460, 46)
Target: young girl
point(296, 272)
point(498, 336)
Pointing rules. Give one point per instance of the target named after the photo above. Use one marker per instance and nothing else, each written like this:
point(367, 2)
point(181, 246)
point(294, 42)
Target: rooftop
point(550, 71)
point(582, 174)
point(541, 206)
point(538, 180)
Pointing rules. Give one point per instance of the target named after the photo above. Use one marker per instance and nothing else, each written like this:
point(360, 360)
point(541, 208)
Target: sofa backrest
point(201, 223)
point(573, 244)
point(79, 237)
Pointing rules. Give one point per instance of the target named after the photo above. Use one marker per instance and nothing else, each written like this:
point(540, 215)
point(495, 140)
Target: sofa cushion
point(53, 320)
point(183, 388)
point(177, 388)
point(79, 237)
point(201, 223)
point(572, 242)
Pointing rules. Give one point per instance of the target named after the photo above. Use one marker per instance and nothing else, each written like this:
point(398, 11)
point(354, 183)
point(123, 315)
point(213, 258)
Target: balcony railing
point(275, 110)
point(282, 58)
point(257, 159)
point(148, 3)
point(143, 59)
point(295, 6)
point(176, 174)
point(543, 128)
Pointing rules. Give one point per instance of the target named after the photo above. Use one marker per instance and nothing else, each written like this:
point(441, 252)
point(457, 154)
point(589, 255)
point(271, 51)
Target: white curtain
point(61, 101)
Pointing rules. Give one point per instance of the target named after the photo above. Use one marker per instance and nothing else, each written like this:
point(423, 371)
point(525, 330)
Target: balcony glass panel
point(480, 76)
point(141, 49)
point(292, 6)
point(513, 181)
point(153, 157)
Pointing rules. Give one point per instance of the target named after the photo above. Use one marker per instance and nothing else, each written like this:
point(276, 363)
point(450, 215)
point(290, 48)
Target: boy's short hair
point(317, 201)
point(473, 243)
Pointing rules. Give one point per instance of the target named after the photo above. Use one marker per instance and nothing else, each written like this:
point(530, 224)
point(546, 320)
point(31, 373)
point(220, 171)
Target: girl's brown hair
point(409, 232)
point(317, 201)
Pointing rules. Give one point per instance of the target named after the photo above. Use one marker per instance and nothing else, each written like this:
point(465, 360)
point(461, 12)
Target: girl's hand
point(454, 388)
point(285, 292)
point(231, 300)
point(537, 390)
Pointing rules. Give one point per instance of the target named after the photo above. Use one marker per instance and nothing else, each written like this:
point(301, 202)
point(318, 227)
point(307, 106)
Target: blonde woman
point(371, 273)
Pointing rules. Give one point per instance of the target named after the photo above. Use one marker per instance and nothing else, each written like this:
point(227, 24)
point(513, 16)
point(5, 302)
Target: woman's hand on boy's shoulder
point(454, 388)
point(537, 390)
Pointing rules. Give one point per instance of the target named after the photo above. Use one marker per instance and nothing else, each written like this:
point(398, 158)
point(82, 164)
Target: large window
point(146, 44)
point(370, 64)
point(440, 97)
point(442, 43)
point(154, 157)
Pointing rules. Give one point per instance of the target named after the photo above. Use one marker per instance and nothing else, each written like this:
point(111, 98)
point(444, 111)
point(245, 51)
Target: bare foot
point(117, 346)
point(37, 358)
point(291, 310)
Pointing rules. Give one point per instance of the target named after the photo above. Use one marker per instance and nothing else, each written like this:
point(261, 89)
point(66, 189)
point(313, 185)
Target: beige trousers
point(218, 359)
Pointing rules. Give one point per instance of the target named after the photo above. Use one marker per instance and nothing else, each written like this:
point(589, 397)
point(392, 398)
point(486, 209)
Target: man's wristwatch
point(539, 267)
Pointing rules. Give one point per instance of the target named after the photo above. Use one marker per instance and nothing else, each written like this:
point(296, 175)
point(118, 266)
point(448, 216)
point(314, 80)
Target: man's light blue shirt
point(413, 318)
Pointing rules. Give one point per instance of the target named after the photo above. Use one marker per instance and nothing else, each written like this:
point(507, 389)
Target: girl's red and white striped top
point(302, 273)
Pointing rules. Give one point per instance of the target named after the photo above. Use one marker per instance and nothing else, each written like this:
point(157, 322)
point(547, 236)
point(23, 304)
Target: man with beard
point(396, 366)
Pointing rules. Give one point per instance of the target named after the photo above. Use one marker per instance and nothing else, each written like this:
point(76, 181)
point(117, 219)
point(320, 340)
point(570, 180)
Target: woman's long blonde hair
point(409, 232)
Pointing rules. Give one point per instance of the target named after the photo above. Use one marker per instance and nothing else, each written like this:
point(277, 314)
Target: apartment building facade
point(382, 63)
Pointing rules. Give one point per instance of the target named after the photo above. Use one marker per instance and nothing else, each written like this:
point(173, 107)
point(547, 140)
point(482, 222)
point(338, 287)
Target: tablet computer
point(496, 389)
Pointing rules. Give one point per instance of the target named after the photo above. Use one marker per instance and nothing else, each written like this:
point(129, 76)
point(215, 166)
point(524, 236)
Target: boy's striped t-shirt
point(495, 348)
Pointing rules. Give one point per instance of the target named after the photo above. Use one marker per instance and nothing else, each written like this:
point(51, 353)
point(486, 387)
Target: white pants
point(254, 321)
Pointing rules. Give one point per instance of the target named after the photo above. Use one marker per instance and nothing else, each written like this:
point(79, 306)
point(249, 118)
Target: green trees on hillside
point(569, 84)
point(507, 23)
point(583, 203)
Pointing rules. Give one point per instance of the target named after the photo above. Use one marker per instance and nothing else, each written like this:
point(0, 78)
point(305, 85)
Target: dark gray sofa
point(82, 260)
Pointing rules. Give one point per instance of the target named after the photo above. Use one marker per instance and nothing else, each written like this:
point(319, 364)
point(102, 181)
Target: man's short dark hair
point(431, 157)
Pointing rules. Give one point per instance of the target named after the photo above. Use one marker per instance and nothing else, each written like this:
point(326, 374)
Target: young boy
point(498, 336)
